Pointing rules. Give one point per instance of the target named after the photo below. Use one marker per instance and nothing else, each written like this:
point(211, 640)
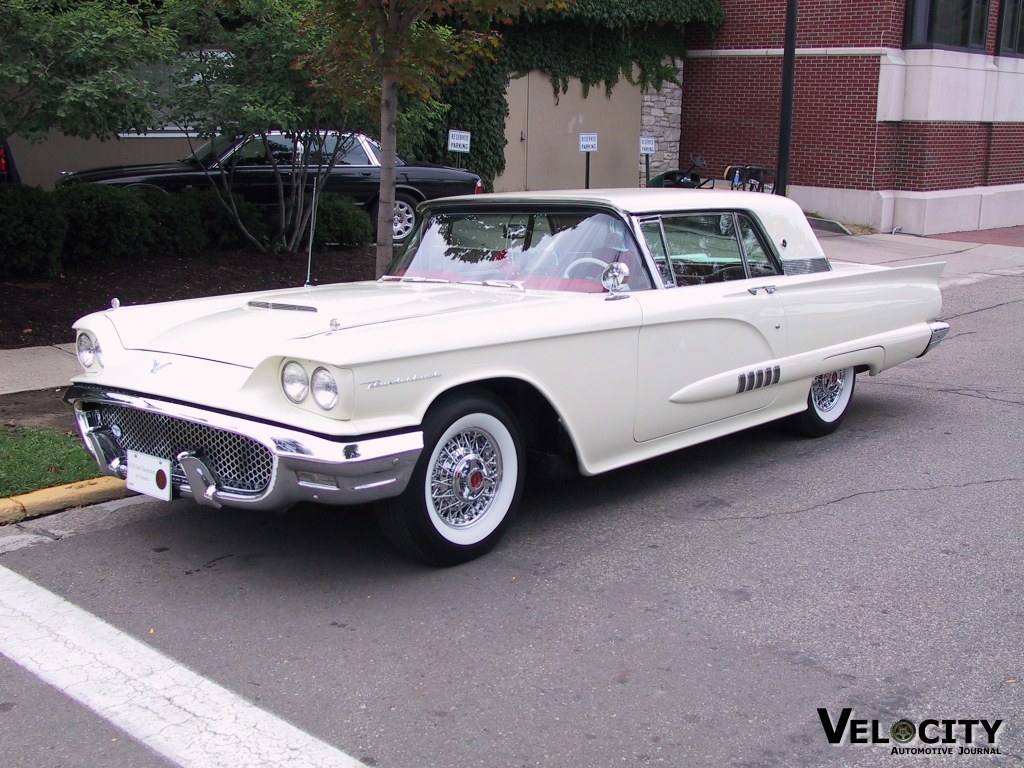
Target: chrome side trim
point(939, 331)
point(306, 467)
point(805, 266)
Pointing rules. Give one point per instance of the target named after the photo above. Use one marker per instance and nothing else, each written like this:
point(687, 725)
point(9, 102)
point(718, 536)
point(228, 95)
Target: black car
point(356, 172)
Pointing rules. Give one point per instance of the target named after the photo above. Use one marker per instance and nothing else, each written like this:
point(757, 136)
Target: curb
point(15, 509)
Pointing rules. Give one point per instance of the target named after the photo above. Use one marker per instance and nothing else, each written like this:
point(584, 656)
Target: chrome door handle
point(769, 289)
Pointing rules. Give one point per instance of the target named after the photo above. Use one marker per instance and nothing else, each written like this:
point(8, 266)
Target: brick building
point(907, 113)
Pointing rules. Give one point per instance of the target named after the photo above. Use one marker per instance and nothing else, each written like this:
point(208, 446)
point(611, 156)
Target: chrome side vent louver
point(763, 377)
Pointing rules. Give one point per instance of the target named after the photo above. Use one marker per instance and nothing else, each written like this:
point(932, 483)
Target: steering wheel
point(584, 261)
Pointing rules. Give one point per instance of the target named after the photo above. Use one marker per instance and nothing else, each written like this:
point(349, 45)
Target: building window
point(948, 23)
point(1011, 38)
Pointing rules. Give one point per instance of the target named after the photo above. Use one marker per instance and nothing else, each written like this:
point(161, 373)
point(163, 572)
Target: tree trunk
point(388, 145)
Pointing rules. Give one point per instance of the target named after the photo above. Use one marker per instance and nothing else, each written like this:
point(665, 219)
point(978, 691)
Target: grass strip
point(31, 459)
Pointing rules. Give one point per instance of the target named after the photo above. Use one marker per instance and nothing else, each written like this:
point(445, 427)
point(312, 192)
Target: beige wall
point(543, 136)
point(39, 165)
point(542, 150)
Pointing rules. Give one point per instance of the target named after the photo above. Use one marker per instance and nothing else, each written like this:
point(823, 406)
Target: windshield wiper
point(503, 284)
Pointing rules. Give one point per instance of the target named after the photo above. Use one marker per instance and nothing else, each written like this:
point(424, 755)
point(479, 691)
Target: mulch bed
point(41, 312)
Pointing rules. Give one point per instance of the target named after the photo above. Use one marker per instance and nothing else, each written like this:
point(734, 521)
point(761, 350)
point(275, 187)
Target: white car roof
point(783, 219)
point(645, 199)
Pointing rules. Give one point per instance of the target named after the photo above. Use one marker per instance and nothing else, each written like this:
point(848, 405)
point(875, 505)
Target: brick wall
point(820, 23)
point(731, 120)
point(730, 104)
point(932, 156)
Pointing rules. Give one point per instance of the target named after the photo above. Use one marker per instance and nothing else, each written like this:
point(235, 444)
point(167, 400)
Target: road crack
point(858, 494)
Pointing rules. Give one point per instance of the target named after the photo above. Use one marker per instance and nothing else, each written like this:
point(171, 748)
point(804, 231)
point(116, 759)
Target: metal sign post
point(588, 144)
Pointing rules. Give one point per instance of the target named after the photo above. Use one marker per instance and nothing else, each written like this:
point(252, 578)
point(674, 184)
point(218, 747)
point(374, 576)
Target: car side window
point(352, 152)
point(759, 262)
point(702, 248)
point(651, 230)
point(255, 153)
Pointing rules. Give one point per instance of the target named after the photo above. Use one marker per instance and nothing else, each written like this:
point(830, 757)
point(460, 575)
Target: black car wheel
point(405, 216)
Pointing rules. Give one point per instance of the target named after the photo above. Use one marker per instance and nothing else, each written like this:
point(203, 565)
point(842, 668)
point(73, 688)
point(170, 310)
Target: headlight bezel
point(295, 382)
point(88, 351)
point(329, 384)
point(336, 402)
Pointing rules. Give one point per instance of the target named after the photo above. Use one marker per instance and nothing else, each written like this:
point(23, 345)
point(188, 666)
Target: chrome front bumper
point(269, 466)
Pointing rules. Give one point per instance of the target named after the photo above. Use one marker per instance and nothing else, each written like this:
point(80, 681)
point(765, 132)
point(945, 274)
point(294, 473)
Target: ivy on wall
point(597, 42)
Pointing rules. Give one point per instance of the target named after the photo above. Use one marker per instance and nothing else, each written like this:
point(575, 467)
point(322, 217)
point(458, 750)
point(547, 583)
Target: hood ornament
point(157, 365)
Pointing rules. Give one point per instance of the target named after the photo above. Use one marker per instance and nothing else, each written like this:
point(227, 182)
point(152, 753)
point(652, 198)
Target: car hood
point(123, 171)
point(243, 329)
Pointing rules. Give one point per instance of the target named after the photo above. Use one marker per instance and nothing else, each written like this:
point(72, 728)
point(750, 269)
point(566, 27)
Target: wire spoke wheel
point(465, 478)
point(827, 402)
point(827, 391)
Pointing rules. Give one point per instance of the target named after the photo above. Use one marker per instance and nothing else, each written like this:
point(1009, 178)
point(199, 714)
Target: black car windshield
point(542, 249)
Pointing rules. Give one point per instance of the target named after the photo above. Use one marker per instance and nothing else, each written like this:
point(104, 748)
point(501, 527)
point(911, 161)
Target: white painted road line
point(172, 710)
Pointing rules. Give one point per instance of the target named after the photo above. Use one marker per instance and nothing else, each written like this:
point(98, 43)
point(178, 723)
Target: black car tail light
point(3, 161)
point(479, 188)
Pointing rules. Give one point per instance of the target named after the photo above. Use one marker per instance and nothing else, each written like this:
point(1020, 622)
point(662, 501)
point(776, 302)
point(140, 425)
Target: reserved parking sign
point(458, 141)
point(588, 142)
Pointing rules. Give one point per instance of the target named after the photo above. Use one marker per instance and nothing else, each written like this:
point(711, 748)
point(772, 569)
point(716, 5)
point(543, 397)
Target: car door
point(252, 172)
point(710, 345)
point(356, 173)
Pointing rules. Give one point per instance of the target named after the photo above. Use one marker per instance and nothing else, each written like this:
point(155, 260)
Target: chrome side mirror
point(614, 280)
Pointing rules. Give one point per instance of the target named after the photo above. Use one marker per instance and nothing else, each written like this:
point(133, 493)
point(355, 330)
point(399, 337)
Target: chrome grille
point(238, 463)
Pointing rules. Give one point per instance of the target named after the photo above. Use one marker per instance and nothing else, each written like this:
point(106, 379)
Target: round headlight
point(294, 382)
point(88, 350)
point(325, 389)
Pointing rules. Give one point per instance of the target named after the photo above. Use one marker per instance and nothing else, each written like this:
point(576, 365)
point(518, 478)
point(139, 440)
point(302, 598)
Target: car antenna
point(312, 227)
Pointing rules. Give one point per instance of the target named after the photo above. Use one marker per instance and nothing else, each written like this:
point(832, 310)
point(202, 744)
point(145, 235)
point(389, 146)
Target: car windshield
point(559, 250)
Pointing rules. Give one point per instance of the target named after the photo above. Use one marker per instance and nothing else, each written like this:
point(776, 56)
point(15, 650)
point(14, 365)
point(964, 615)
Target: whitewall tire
point(466, 485)
point(827, 403)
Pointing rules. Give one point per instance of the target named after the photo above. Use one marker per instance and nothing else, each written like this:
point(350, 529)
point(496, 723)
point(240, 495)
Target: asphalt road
point(696, 610)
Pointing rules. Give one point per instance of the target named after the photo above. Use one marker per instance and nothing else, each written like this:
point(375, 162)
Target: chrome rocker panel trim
point(337, 472)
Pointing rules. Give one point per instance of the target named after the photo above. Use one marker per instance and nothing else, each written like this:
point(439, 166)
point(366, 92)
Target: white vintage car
point(510, 325)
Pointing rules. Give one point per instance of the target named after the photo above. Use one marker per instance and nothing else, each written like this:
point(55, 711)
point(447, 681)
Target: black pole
point(786, 111)
point(587, 183)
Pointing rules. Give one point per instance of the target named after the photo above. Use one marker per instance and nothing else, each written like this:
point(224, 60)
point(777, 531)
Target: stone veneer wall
point(660, 118)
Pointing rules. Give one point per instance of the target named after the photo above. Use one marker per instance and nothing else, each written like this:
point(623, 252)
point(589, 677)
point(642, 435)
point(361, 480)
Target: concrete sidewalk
point(31, 368)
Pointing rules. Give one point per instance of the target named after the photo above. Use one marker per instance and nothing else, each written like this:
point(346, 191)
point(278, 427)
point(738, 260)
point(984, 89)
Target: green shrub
point(340, 222)
point(32, 228)
point(177, 224)
point(220, 229)
point(104, 223)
